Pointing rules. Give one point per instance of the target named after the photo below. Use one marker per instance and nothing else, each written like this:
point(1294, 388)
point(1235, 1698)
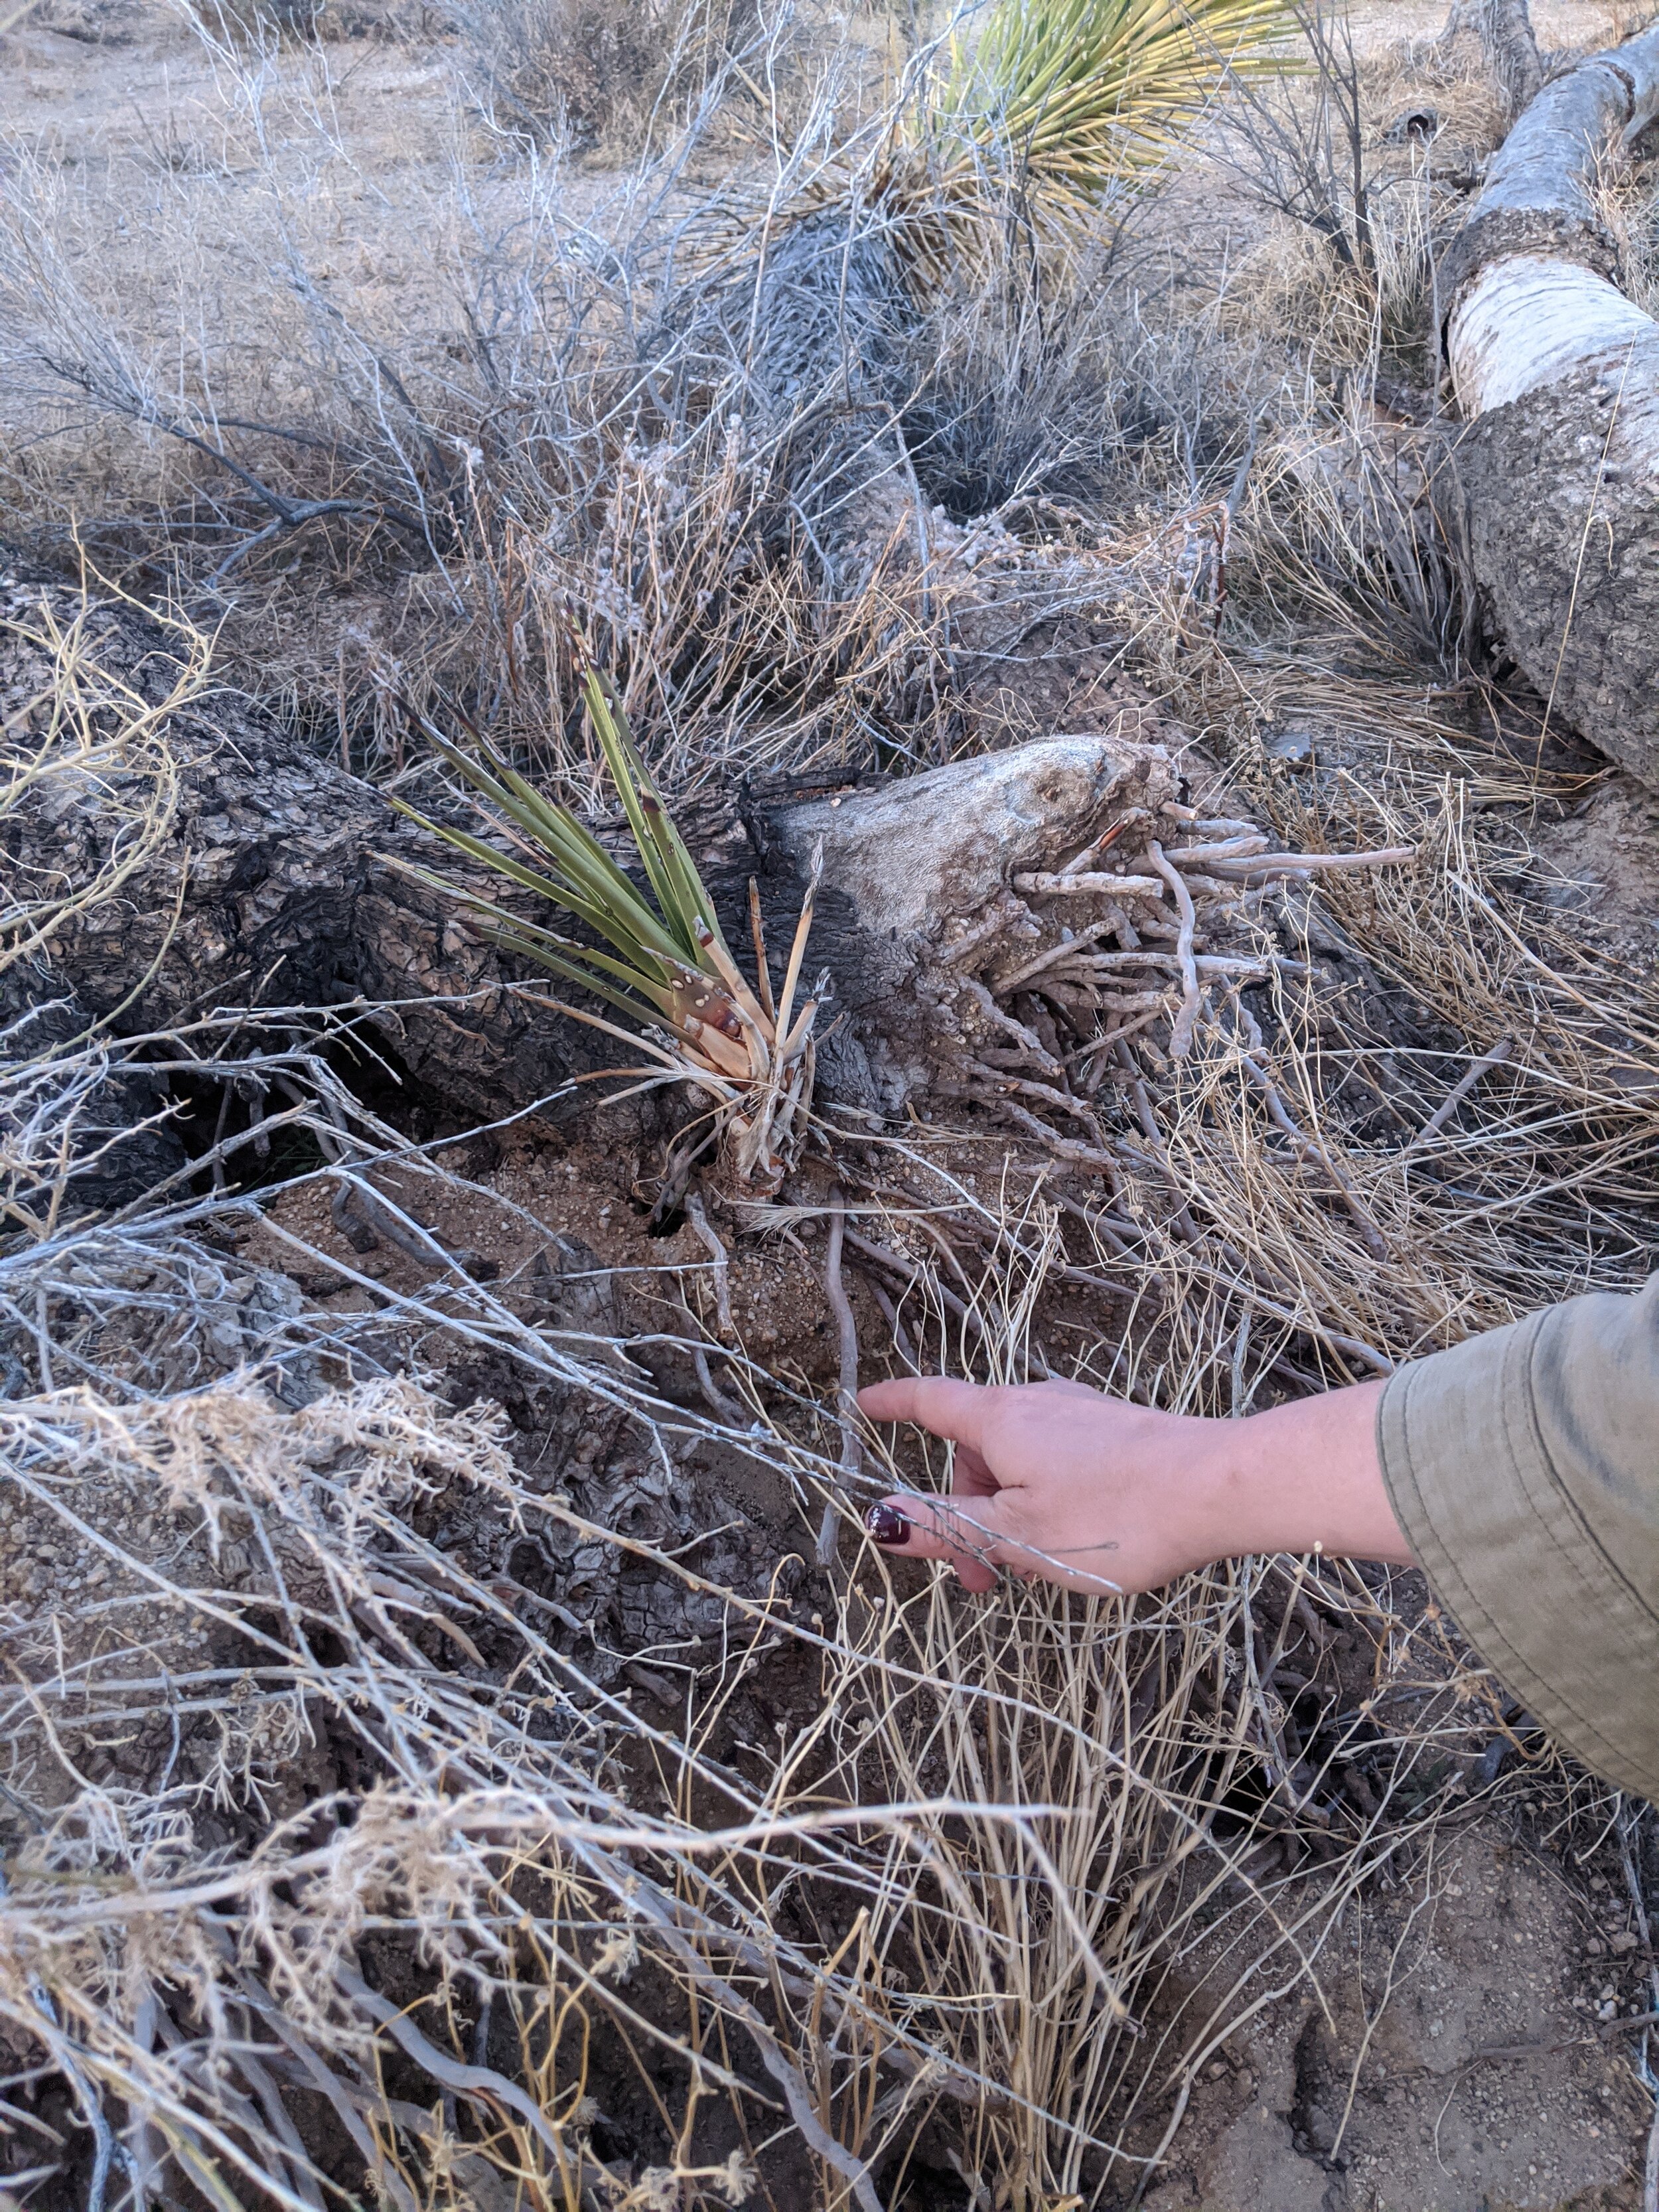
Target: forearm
point(1302, 1478)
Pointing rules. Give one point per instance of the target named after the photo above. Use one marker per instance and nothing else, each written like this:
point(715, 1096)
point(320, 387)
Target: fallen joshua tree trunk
point(995, 930)
point(1557, 374)
point(1508, 44)
point(169, 850)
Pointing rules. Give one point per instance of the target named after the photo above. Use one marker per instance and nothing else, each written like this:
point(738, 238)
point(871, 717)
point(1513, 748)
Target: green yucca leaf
point(586, 964)
point(549, 887)
point(593, 875)
point(630, 925)
point(579, 966)
point(668, 963)
point(1083, 93)
point(685, 904)
point(629, 776)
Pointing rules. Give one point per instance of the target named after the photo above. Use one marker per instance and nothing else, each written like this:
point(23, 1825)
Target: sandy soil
point(1453, 2065)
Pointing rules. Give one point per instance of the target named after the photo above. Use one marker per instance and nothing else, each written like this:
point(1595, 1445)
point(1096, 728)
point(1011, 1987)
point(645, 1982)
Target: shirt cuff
point(1510, 1554)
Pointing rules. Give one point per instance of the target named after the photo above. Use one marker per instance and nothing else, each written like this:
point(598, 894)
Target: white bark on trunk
point(1556, 373)
point(1529, 321)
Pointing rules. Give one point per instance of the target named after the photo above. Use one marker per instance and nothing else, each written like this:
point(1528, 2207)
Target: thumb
point(967, 1532)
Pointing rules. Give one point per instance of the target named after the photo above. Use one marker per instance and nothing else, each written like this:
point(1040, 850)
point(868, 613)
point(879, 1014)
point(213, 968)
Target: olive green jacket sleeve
point(1523, 1467)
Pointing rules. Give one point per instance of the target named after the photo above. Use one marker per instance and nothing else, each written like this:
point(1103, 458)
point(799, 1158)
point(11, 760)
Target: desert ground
point(461, 1751)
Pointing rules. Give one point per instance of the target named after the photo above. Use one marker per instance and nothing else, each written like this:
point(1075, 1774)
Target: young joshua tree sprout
point(668, 966)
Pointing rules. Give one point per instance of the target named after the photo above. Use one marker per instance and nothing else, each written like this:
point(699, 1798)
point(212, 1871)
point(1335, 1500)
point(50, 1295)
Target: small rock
point(1296, 746)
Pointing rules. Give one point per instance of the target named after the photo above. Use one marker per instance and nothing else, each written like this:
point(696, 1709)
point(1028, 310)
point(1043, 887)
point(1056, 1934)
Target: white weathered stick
point(847, 1394)
point(1186, 1022)
point(1046, 884)
point(1310, 863)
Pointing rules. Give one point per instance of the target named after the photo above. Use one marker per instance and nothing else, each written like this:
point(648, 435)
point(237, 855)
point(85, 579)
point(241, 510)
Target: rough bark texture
point(268, 889)
point(274, 886)
point(1574, 574)
point(1512, 49)
point(1559, 376)
point(916, 868)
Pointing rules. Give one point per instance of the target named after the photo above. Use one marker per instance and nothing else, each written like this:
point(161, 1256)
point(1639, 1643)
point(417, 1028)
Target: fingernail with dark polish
point(887, 1524)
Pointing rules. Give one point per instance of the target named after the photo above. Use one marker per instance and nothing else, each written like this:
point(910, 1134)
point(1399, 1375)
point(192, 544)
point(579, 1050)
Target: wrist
point(1305, 1477)
point(1235, 1506)
point(1224, 1498)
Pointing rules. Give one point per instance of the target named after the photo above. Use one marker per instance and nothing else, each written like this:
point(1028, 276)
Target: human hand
point(1097, 1494)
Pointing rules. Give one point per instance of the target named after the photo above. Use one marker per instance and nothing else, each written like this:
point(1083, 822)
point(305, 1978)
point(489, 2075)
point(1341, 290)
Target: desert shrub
point(1013, 403)
point(587, 72)
point(260, 24)
point(695, 447)
point(1098, 394)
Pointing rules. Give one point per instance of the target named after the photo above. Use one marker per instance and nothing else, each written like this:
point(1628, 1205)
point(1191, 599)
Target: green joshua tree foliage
point(664, 960)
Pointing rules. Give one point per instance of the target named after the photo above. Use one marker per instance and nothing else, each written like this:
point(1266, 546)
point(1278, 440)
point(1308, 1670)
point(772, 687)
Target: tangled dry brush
point(380, 1795)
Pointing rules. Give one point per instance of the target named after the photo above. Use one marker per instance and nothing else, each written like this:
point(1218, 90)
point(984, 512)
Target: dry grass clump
point(151, 1966)
point(1626, 202)
point(585, 74)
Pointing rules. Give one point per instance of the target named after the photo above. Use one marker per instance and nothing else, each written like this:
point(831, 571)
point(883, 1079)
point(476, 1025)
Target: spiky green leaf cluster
point(1081, 94)
point(1053, 106)
point(660, 962)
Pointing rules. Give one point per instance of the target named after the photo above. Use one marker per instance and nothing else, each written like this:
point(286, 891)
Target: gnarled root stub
point(1003, 927)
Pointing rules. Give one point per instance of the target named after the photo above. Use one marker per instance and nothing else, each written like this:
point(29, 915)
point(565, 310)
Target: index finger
point(950, 1409)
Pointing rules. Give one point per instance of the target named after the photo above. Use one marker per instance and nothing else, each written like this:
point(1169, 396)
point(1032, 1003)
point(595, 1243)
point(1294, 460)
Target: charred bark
point(1557, 374)
point(276, 885)
point(273, 886)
